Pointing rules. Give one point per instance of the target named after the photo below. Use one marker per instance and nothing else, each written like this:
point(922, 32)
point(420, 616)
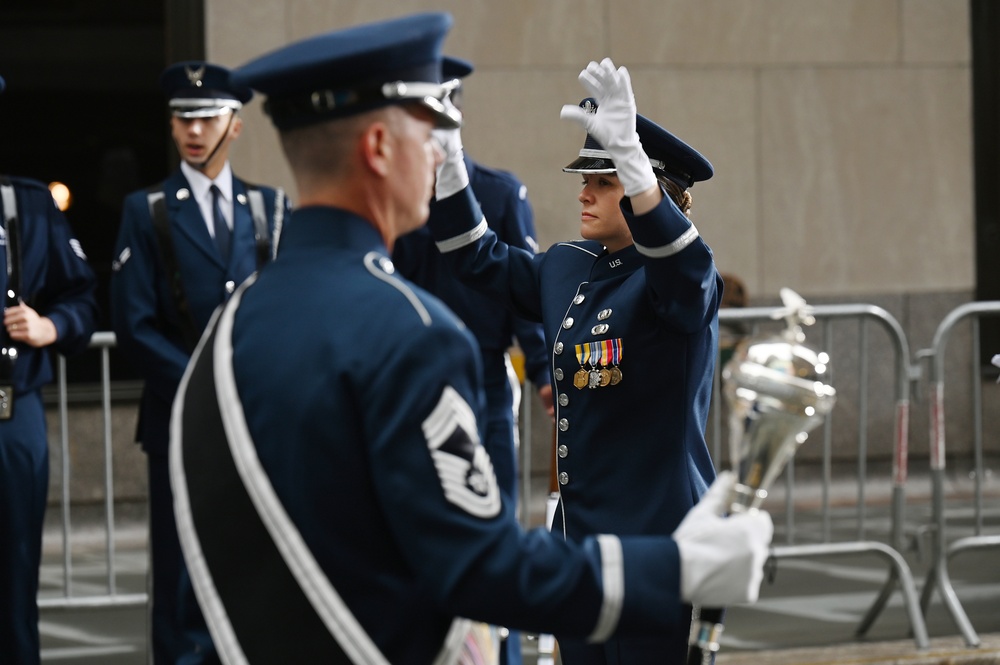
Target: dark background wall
point(83, 107)
point(984, 19)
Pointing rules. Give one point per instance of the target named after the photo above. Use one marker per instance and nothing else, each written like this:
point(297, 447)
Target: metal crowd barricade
point(104, 341)
point(900, 575)
point(941, 553)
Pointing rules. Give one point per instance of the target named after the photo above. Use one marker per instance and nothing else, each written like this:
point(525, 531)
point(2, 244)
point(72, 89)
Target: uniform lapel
point(185, 216)
point(243, 232)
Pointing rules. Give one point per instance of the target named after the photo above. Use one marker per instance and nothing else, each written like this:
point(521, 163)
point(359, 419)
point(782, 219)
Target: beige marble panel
point(490, 33)
point(936, 31)
point(256, 155)
point(741, 32)
point(512, 122)
point(832, 180)
point(867, 180)
point(714, 111)
point(239, 31)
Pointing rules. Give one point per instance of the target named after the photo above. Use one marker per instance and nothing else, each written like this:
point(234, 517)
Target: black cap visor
point(587, 164)
point(598, 161)
point(320, 105)
point(432, 96)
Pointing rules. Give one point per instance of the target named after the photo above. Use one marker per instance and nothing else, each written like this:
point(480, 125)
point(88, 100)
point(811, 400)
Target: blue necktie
point(222, 234)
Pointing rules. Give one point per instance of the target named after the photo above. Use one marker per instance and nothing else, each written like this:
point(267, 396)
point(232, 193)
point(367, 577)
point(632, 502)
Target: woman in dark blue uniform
point(630, 314)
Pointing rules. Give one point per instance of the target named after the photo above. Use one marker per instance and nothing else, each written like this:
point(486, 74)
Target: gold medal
point(617, 354)
point(605, 376)
point(582, 377)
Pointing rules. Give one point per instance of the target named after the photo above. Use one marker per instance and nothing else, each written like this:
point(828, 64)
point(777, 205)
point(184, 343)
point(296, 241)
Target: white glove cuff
point(452, 176)
point(633, 167)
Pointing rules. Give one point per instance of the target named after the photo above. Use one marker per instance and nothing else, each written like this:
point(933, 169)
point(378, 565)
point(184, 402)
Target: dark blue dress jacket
point(143, 309)
point(367, 425)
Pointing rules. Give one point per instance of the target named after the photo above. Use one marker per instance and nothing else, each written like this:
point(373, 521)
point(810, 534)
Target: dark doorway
point(984, 17)
point(83, 107)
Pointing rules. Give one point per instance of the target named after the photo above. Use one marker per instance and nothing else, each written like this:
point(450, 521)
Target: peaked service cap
point(197, 89)
point(346, 72)
point(667, 153)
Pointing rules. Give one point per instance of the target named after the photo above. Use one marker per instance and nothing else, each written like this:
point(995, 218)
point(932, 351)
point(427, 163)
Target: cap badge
point(195, 75)
point(589, 106)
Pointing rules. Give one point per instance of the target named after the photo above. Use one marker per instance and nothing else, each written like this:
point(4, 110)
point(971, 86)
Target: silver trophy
point(776, 392)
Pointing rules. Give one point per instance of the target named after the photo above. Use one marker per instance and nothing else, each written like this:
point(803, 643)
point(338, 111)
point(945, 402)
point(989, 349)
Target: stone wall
point(840, 131)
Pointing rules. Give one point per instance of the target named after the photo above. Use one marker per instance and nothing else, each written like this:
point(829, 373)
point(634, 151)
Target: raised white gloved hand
point(613, 125)
point(722, 558)
point(452, 176)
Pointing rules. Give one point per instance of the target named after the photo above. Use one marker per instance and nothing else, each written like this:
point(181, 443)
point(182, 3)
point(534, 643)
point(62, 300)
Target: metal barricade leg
point(951, 601)
point(900, 572)
point(876, 607)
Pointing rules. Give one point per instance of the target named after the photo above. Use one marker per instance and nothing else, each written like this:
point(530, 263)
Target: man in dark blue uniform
point(183, 247)
point(49, 303)
point(334, 500)
point(504, 201)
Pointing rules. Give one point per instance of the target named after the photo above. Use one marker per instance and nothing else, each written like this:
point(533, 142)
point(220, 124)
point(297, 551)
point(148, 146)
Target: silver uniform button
point(563, 399)
point(564, 478)
point(579, 299)
point(559, 374)
point(568, 323)
point(599, 329)
point(230, 286)
point(559, 348)
point(604, 314)
point(563, 424)
point(563, 451)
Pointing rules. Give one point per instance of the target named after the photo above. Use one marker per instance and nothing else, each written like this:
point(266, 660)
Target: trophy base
point(745, 498)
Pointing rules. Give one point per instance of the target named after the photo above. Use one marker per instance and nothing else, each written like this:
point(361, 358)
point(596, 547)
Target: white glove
point(613, 126)
point(722, 558)
point(452, 176)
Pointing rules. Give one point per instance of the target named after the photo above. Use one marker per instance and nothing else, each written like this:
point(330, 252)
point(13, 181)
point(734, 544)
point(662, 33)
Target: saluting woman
point(630, 314)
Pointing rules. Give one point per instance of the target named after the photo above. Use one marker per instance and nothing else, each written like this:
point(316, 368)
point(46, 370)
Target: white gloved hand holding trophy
point(722, 558)
point(613, 125)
